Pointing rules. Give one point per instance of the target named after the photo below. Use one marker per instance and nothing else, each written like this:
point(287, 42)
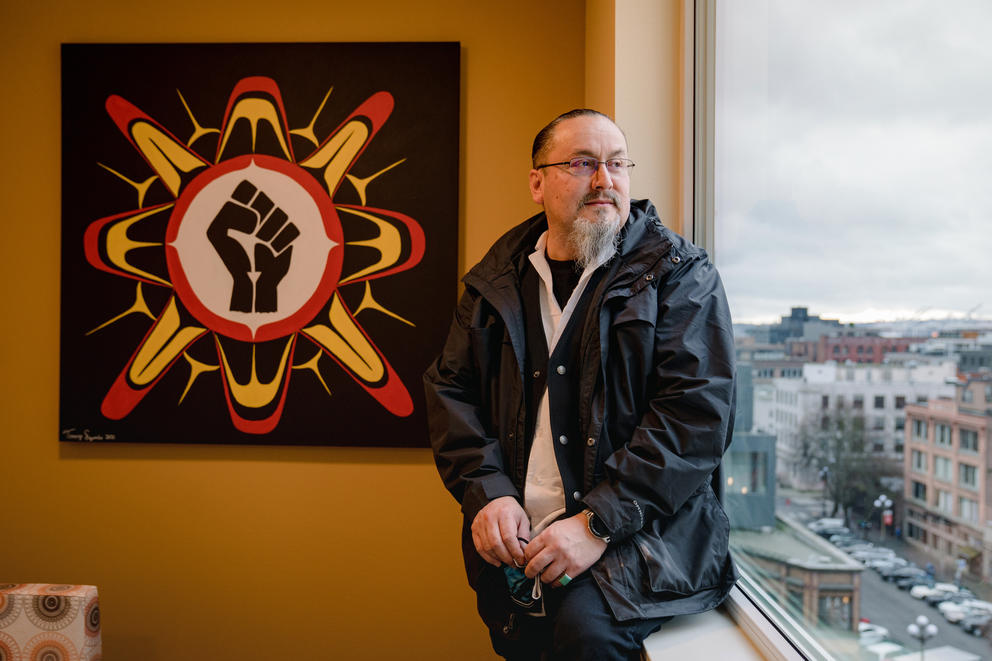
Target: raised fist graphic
point(252, 236)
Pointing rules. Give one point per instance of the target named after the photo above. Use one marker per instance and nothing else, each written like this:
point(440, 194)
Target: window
point(969, 440)
point(942, 469)
point(878, 423)
point(988, 393)
point(968, 476)
point(945, 502)
point(967, 396)
point(968, 509)
point(808, 167)
point(942, 435)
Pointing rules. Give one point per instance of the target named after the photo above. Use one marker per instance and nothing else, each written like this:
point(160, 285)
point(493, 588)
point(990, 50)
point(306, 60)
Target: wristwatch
point(596, 526)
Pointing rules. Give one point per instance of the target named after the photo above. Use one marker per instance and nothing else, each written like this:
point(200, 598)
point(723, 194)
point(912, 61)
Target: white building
point(874, 394)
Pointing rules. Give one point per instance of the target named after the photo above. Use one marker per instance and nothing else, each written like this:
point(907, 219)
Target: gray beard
point(594, 241)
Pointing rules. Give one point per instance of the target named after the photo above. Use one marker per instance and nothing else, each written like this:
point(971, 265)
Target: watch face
point(594, 526)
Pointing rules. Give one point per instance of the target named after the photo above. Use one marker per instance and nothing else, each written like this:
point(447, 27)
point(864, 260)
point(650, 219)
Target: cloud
point(854, 155)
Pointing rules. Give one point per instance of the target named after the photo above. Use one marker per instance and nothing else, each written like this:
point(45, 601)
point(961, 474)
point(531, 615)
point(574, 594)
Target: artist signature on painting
point(72, 434)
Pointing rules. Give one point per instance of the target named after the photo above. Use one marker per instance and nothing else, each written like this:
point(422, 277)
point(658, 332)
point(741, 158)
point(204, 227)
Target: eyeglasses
point(584, 166)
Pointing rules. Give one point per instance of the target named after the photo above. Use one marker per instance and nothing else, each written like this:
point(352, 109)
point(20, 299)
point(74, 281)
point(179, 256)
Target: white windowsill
point(736, 631)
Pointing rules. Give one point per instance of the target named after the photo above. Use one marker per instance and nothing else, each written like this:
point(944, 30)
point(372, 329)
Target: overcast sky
point(854, 158)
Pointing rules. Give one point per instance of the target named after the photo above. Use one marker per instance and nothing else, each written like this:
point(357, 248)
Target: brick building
point(947, 488)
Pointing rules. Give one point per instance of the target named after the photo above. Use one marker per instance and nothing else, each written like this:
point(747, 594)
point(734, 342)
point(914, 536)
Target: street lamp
point(883, 503)
point(922, 630)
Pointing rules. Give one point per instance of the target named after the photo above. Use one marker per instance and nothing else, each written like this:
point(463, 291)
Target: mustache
point(602, 196)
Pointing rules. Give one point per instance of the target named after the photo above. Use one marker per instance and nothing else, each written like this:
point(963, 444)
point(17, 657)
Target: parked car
point(978, 624)
point(886, 564)
point(820, 524)
point(911, 582)
point(870, 634)
point(906, 571)
point(955, 596)
point(956, 610)
point(867, 555)
point(837, 540)
point(855, 545)
point(827, 533)
point(923, 591)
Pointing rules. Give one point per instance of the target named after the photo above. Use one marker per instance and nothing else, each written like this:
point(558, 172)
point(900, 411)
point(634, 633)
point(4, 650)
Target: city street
point(883, 603)
point(886, 605)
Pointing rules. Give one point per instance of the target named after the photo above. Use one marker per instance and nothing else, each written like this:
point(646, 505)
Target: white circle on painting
point(211, 281)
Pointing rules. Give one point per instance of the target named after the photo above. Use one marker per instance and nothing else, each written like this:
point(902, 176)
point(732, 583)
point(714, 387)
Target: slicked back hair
point(543, 137)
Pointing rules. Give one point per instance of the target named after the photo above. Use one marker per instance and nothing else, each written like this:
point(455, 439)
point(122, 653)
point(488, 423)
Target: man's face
point(600, 197)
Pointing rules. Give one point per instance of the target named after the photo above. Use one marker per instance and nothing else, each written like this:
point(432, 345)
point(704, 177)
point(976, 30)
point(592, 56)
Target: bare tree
point(835, 444)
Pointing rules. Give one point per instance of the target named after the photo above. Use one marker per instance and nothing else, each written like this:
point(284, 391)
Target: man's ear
point(537, 186)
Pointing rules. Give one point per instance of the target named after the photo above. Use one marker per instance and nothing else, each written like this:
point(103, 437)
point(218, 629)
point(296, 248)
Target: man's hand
point(496, 528)
point(564, 546)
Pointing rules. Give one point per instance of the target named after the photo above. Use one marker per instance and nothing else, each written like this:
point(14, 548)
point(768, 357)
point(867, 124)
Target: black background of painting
point(423, 79)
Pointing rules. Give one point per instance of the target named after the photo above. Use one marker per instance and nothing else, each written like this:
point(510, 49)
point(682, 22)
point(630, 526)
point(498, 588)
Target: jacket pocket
point(688, 552)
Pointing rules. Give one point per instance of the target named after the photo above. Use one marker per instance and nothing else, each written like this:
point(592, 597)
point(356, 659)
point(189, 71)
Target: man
point(579, 411)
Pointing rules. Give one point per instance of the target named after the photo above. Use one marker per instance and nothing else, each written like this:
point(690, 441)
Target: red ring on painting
point(332, 269)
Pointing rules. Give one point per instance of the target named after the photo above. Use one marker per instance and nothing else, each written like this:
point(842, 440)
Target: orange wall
point(245, 552)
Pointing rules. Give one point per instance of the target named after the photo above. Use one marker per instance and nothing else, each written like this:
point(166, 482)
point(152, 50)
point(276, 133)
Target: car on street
point(826, 522)
point(882, 565)
point(905, 571)
point(827, 533)
point(910, 582)
point(870, 634)
point(923, 591)
point(978, 624)
point(954, 596)
point(877, 553)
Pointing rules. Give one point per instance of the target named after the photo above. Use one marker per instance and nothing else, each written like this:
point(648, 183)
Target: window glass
point(969, 440)
point(968, 509)
point(942, 435)
point(851, 168)
point(942, 468)
point(968, 476)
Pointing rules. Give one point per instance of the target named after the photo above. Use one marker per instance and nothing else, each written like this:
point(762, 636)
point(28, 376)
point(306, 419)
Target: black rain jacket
point(656, 407)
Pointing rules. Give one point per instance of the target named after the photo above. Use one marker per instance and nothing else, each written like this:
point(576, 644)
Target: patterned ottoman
point(42, 622)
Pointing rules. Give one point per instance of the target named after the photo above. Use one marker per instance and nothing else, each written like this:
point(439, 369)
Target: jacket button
point(576, 495)
point(537, 374)
point(590, 441)
point(563, 439)
point(676, 259)
point(561, 369)
point(510, 435)
point(649, 277)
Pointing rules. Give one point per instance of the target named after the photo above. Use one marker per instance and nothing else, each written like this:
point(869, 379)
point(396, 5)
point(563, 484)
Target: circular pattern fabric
point(9, 610)
point(9, 651)
point(60, 588)
point(50, 647)
point(51, 612)
point(92, 615)
point(7, 587)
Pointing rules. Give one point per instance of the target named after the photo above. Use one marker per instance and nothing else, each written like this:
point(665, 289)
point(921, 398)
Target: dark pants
point(578, 624)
